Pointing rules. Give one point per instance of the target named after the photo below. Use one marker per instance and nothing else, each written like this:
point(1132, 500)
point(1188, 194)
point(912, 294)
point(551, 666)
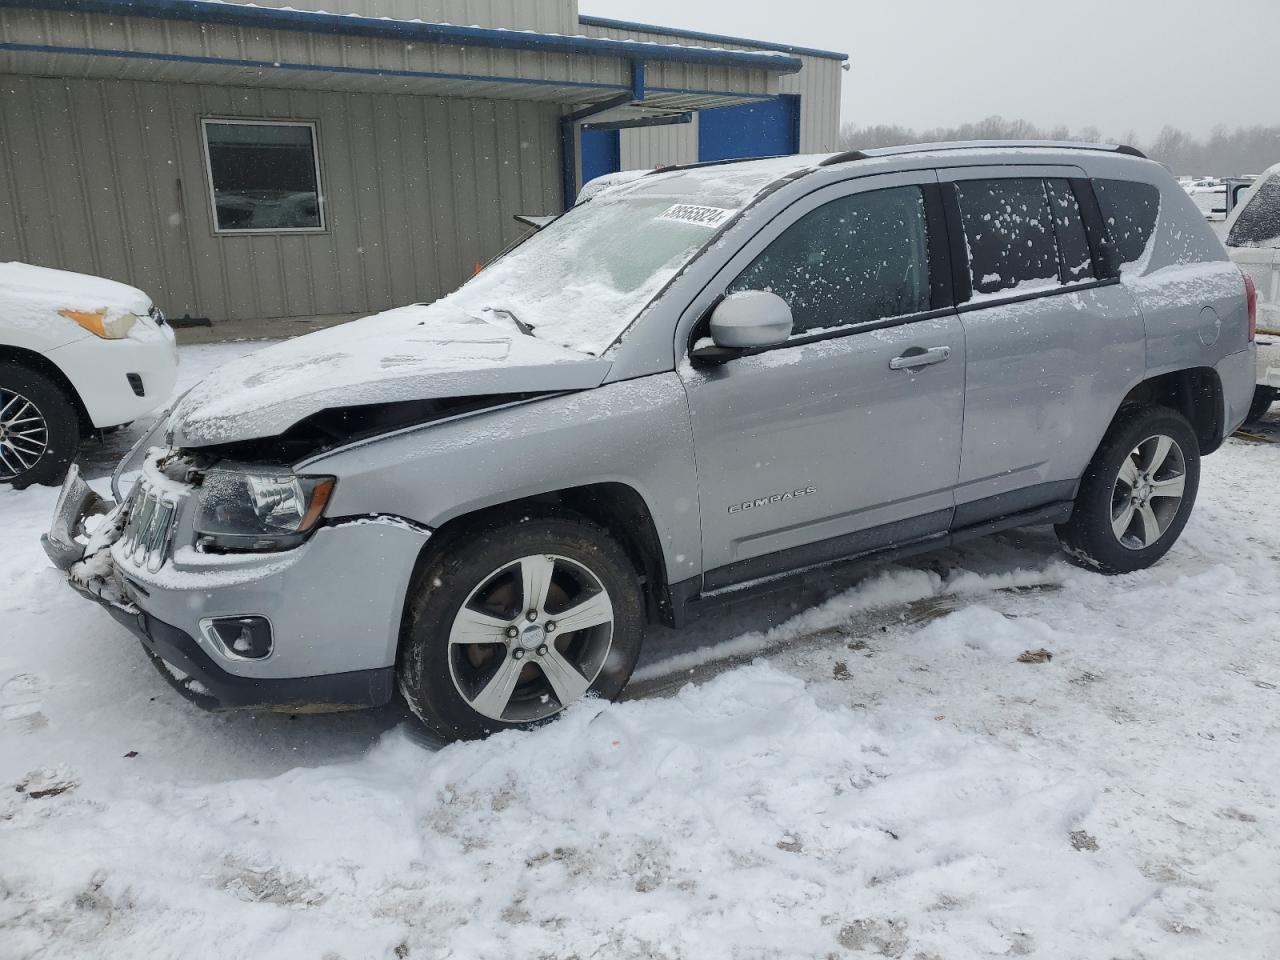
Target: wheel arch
point(1195, 392)
point(616, 507)
point(39, 363)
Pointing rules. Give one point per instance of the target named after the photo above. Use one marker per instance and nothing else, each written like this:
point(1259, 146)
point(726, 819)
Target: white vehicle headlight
point(103, 323)
point(243, 511)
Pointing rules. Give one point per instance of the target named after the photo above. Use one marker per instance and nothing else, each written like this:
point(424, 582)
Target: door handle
point(919, 357)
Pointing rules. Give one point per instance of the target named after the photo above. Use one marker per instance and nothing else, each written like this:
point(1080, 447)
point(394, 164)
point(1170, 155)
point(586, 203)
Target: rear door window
point(1073, 242)
point(1129, 210)
point(858, 259)
point(1258, 224)
point(1008, 227)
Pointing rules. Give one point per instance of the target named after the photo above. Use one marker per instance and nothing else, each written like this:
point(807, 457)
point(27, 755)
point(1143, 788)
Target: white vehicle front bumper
point(100, 372)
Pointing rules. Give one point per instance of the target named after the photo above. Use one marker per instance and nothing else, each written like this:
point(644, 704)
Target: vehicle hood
point(32, 296)
point(419, 352)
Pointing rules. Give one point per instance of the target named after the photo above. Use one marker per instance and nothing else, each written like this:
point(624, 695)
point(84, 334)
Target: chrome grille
point(149, 530)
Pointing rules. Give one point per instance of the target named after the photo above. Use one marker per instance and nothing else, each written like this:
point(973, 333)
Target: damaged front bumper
point(335, 603)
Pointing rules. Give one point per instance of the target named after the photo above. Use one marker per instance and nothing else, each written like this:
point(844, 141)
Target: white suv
point(1253, 242)
point(77, 354)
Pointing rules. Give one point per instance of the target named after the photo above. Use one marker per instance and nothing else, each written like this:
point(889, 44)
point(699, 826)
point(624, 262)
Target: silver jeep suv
point(691, 384)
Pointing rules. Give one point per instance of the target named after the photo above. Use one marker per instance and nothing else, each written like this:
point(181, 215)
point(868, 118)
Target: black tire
point(467, 562)
point(1088, 536)
point(1263, 398)
point(60, 437)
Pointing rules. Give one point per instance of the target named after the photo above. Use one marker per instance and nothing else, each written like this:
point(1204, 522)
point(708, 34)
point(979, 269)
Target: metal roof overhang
point(196, 41)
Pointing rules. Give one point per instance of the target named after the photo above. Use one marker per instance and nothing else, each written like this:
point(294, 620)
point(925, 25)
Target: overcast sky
point(1119, 65)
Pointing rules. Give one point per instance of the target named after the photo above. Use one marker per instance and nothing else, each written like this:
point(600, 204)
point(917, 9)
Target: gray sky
point(1115, 64)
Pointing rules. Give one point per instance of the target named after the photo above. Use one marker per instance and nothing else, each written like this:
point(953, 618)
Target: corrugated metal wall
point(817, 83)
point(544, 16)
point(109, 178)
point(62, 45)
point(646, 147)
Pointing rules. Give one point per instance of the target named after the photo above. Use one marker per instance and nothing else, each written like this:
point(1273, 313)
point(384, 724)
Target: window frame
point(939, 260)
point(220, 231)
point(1100, 247)
point(1064, 269)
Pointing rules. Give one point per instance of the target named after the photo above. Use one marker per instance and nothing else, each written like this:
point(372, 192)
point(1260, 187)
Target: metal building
point(252, 161)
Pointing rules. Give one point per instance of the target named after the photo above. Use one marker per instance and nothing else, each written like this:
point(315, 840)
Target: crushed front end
point(242, 591)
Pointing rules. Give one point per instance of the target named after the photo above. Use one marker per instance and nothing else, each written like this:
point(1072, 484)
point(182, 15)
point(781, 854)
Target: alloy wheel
point(24, 434)
point(531, 638)
point(1148, 492)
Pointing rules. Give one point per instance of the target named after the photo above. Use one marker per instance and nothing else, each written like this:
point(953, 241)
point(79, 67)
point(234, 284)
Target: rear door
point(1053, 344)
point(830, 445)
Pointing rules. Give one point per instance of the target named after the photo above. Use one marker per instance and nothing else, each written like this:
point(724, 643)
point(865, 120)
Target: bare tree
point(1223, 153)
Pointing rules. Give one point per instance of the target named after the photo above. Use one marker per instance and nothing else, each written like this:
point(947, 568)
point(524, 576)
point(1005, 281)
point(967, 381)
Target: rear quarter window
point(1258, 224)
point(1130, 210)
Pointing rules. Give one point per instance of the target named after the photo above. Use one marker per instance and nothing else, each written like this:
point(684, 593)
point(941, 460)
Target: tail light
point(1251, 297)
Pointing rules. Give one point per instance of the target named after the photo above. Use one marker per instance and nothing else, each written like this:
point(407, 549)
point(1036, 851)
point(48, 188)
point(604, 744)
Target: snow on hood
point(419, 352)
point(33, 295)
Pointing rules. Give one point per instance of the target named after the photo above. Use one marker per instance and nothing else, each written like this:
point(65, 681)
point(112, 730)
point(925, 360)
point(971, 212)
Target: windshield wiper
point(525, 328)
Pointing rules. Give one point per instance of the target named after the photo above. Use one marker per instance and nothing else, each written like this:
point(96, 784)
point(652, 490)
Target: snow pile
point(740, 813)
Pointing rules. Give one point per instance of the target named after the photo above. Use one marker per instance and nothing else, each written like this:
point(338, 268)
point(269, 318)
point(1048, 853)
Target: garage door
point(767, 129)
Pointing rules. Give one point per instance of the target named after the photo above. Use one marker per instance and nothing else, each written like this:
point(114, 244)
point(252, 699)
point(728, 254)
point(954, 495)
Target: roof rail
point(852, 155)
point(698, 165)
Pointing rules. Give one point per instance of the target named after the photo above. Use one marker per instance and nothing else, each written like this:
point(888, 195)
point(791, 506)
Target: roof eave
point(612, 24)
point(271, 18)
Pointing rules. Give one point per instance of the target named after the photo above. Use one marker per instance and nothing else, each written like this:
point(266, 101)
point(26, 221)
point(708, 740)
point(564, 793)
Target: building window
point(264, 176)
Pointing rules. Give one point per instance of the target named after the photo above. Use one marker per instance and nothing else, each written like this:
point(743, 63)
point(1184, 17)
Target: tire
point(1097, 535)
point(1263, 398)
point(39, 428)
point(475, 588)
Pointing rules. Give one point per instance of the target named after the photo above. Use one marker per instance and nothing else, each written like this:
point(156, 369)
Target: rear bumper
point(1236, 374)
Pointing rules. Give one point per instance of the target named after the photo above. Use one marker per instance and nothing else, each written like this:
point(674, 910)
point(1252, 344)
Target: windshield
point(582, 280)
point(1258, 224)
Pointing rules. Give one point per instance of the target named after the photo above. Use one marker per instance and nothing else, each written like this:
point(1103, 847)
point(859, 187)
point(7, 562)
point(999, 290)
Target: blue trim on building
point(609, 23)
point(363, 71)
point(272, 18)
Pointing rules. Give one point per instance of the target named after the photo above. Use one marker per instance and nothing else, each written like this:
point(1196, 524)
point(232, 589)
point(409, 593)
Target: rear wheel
point(39, 429)
point(1263, 398)
point(1137, 494)
point(513, 624)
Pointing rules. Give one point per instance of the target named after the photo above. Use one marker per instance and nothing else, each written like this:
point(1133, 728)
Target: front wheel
point(1136, 494)
point(513, 623)
point(39, 429)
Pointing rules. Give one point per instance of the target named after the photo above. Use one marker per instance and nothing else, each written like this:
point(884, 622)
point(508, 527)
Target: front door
point(847, 437)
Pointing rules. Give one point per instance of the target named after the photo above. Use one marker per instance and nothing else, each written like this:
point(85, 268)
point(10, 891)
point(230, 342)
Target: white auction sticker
point(692, 213)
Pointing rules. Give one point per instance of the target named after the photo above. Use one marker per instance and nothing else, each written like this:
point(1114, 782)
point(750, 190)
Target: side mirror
point(746, 320)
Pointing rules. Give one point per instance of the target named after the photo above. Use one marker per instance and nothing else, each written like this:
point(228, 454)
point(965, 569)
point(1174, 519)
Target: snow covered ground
point(980, 753)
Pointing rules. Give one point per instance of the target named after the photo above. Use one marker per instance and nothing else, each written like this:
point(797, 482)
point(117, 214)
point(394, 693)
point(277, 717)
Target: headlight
point(103, 323)
point(240, 511)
